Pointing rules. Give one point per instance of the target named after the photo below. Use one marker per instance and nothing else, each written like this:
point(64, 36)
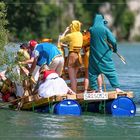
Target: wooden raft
point(79, 97)
point(36, 102)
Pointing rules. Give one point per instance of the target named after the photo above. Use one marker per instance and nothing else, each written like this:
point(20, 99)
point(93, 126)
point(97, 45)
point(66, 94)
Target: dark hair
point(24, 46)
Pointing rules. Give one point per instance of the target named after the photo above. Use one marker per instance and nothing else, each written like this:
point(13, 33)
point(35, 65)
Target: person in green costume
point(100, 58)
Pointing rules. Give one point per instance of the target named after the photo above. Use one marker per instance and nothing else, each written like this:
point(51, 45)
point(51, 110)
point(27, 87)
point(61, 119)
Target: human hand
point(115, 48)
point(67, 29)
point(30, 74)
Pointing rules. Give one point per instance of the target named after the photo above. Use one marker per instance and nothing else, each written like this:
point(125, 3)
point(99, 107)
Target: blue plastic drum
point(68, 107)
point(122, 106)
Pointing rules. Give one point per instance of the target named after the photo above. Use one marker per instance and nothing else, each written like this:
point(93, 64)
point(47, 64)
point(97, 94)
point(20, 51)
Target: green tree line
point(37, 19)
point(3, 23)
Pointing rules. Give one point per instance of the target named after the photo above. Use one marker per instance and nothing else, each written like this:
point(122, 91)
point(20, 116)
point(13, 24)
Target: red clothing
point(6, 96)
point(47, 72)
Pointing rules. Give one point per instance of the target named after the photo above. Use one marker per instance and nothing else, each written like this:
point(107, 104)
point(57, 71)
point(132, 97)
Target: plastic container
point(68, 107)
point(122, 106)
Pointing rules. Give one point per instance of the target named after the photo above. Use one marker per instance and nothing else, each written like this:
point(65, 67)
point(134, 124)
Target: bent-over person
point(50, 84)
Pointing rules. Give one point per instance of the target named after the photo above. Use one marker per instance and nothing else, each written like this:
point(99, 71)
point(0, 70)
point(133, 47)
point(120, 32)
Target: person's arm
point(36, 55)
point(67, 29)
point(33, 65)
point(111, 40)
point(30, 61)
point(63, 37)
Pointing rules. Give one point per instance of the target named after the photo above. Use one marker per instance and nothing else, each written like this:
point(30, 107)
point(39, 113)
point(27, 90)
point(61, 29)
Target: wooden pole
point(120, 56)
point(6, 103)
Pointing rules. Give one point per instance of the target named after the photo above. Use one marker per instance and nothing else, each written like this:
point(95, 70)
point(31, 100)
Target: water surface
point(23, 125)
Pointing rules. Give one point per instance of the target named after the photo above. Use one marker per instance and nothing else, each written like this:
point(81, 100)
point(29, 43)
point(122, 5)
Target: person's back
point(100, 34)
point(47, 52)
point(75, 40)
point(51, 84)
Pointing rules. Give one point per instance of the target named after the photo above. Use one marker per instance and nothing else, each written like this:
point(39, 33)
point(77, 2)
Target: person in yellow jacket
point(74, 39)
point(22, 54)
point(86, 50)
point(22, 70)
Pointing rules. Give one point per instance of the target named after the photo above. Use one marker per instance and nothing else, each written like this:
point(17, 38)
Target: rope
point(50, 106)
point(102, 107)
point(33, 106)
point(103, 102)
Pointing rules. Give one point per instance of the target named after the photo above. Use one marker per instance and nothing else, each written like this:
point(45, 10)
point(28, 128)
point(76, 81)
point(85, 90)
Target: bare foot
point(70, 91)
point(92, 91)
point(100, 91)
point(118, 90)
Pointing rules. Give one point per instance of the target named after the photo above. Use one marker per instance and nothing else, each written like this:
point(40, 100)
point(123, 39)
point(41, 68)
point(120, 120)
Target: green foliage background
point(3, 23)
point(37, 19)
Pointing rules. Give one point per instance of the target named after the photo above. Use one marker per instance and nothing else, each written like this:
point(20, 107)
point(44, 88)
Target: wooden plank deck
point(79, 97)
point(111, 95)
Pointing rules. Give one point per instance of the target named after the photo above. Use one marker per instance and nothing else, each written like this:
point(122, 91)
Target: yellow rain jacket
point(74, 39)
point(23, 55)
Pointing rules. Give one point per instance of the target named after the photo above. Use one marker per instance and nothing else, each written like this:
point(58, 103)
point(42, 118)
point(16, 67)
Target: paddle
point(121, 57)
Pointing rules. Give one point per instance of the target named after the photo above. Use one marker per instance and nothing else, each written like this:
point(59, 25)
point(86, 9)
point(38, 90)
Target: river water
point(22, 125)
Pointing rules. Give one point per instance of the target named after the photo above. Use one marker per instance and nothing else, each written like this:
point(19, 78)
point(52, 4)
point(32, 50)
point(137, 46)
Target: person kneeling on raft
point(51, 84)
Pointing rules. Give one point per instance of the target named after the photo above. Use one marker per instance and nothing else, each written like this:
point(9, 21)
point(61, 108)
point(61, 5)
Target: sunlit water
point(24, 125)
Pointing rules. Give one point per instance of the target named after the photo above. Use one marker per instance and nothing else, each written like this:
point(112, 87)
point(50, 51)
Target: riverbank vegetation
point(3, 34)
point(3, 23)
point(37, 19)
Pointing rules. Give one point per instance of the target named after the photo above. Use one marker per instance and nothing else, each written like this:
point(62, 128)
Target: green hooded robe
point(100, 59)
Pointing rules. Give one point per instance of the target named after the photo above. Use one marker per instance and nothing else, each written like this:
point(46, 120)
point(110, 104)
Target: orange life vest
point(86, 40)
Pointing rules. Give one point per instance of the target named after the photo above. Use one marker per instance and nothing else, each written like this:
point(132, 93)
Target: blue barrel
point(122, 106)
point(68, 107)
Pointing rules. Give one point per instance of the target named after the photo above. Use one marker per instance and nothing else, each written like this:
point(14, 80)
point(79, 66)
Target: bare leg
point(100, 83)
point(72, 76)
point(70, 91)
point(86, 80)
point(76, 70)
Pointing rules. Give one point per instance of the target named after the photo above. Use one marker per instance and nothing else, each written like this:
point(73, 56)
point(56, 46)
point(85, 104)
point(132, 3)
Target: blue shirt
point(46, 52)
